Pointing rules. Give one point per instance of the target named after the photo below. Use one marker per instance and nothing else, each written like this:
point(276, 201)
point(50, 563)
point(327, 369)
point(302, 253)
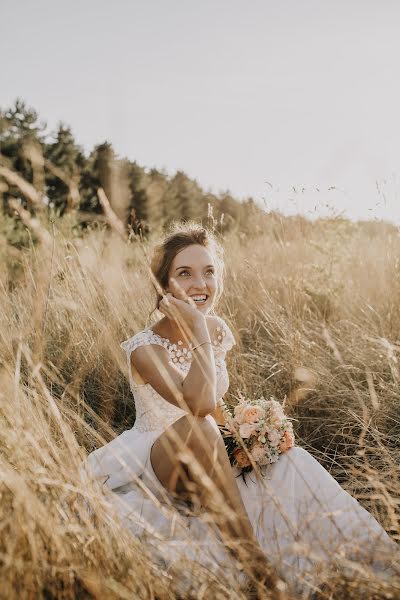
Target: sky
point(292, 102)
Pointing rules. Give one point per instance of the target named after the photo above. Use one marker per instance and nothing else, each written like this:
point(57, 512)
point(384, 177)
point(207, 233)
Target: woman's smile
point(200, 298)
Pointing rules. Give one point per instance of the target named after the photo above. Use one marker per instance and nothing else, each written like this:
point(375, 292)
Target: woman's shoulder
point(144, 337)
point(216, 321)
point(220, 332)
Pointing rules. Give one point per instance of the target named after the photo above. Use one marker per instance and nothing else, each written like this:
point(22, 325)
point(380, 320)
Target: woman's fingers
point(180, 292)
point(165, 305)
point(169, 306)
point(175, 308)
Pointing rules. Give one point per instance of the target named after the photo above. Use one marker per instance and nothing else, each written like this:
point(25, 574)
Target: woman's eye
point(209, 271)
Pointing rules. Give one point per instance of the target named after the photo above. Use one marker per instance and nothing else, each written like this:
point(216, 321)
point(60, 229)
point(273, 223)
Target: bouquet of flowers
point(257, 432)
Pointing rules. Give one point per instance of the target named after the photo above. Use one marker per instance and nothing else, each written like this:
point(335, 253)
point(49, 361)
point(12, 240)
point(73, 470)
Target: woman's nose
point(199, 282)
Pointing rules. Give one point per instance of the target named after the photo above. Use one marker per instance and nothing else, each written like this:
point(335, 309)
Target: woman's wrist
point(200, 331)
point(202, 344)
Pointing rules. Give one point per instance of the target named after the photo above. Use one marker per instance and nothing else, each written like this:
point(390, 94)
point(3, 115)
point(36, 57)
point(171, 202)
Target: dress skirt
point(301, 516)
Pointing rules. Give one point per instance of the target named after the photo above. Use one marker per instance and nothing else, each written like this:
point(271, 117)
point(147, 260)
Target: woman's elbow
point(201, 405)
point(206, 411)
point(203, 409)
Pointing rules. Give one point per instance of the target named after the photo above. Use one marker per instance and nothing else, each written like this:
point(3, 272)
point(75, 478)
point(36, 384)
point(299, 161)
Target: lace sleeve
point(143, 338)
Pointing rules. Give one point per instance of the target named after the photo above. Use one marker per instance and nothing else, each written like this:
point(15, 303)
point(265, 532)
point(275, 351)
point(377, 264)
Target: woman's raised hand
point(179, 307)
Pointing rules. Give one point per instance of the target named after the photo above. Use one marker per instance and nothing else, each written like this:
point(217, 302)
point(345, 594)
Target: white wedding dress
point(300, 514)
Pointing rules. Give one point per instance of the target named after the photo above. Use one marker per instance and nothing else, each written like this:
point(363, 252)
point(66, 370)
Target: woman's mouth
point(199, 298)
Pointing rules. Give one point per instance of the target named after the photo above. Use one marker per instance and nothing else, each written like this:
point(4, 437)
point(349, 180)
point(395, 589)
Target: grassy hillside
point(316, 303)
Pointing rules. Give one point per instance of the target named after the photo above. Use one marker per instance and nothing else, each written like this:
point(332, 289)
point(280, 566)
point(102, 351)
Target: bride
point(171, 471)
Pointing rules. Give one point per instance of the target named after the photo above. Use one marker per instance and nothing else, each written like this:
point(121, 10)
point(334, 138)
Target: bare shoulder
point(149, 349)
point(147, 358)
point(142, 354)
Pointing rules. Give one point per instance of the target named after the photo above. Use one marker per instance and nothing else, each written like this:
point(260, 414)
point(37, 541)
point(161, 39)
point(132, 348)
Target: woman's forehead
point(194, 254)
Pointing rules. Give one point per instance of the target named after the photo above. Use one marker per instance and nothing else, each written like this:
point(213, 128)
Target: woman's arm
point(199, 386)
point(195, 391)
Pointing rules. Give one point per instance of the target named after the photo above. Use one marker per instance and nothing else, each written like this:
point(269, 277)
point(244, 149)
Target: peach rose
point(275, 420)
point(247, 429)
point(258, 453)
point(239, 413)
point(241, 458)
point(252, 414)
point(287, 442)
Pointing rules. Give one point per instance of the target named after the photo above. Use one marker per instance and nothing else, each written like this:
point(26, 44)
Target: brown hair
point(180, 236)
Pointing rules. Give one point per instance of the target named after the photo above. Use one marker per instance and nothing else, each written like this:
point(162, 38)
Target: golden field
point(315, 309)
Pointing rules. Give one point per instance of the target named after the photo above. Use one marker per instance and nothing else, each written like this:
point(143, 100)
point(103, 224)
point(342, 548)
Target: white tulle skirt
point(301, 516)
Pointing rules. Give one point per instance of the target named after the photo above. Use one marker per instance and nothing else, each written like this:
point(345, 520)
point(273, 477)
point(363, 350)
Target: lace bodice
point(153, 412)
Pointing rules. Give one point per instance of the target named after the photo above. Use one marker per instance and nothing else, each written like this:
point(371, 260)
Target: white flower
point(274, 437)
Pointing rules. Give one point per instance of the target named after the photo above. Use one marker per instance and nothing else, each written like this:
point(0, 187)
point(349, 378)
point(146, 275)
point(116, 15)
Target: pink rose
point(247, 429)
point(287, 441)
point(258, 453)
point(239, 413)
point(253, 414)
point(274, 437)
point(241, 457)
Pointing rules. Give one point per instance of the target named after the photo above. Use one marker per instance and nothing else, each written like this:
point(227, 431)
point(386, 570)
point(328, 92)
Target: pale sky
point(255, 97)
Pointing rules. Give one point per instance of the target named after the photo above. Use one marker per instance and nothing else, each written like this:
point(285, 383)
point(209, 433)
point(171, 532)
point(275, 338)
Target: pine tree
point(139, 208)
point(21, 147)
point(92, 178)
point(65, 161)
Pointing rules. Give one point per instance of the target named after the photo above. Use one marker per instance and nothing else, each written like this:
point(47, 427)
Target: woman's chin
point(204, 308)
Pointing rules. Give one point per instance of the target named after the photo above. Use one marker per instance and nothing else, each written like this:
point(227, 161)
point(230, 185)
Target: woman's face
point(195, 271)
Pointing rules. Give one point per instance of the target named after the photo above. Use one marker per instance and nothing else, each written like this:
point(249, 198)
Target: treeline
point(49, 171)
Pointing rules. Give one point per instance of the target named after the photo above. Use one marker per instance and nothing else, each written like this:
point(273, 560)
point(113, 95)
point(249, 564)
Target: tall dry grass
point(302, 298)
